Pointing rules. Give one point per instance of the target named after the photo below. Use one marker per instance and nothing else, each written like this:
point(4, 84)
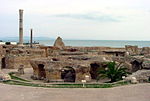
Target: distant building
point(8, 43)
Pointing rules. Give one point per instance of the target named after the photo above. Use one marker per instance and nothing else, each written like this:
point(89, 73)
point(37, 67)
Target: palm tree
point(113, 72)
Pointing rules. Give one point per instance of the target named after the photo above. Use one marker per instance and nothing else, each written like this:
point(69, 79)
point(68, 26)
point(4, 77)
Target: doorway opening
point(42, 73)
point(3, 63)
point(136, 65)
point(68, 74)
point(94, 70)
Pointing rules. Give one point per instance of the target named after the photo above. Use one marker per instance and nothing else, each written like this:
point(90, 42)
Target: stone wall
point(2, 51)
point(82, 65)
point(53, 69)
point(145, 50)
point(146, 63)
point(27, 52)
point(17, 57)
point(13, 62)
point(59, 43)
point(133, 50)
point(140, 75)
point(53, 51)
point(87, 49)
point(0, 62)
point(2, 54)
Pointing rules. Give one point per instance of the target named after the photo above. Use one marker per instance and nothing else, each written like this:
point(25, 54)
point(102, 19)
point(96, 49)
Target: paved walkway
point(139, 92)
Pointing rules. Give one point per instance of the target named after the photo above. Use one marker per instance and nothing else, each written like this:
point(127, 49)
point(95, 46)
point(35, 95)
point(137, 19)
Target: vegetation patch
point(113, 71)
point(105, 85)
point(19, 81)
point(12, 75)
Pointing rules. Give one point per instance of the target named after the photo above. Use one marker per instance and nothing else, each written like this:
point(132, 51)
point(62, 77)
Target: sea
point(86, 43)
point(105, 43)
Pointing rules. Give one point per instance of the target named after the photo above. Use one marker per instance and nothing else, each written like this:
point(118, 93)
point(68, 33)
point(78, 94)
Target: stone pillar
point(20, 27)
point(31, 38)
point(21, 70)
point(0, 63)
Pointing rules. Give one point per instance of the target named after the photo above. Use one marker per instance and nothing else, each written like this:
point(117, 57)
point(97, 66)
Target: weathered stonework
point(70, 64)
point(4, 76)
point(141, 75)
point(146, 64)
point(54, 66)
point(82, 62)
point(59, 43)
point(133, 50)
point(145, 50)
point(16, 57)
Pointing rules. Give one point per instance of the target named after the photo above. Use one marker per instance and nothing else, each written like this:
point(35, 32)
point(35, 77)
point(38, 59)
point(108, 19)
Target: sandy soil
point(139, 92)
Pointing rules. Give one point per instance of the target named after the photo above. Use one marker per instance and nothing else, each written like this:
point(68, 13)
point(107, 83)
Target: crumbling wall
point(133, 50)
point(0, 62)
point(141, 75)
point(27, 52)
point(145, 50)
point(146, 63)
point(36, 52)
point(59, 43)
point(15, 61)
point(53, 51)
point(17, 57)
point(1, 51)
point(54, 69)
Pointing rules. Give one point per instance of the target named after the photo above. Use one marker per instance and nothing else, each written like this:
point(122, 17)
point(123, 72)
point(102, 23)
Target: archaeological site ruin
point(60, 63)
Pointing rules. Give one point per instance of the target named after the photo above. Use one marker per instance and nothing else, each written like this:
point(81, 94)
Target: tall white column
point(20, 27)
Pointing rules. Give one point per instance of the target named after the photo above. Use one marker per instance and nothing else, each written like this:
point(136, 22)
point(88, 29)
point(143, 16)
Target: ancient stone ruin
point(66, 68)
point(72, 64)
point(59, 43)
point(60, 63)
point(21, 70)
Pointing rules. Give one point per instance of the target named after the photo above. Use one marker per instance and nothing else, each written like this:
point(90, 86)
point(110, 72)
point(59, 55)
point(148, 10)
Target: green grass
point(12, 75)
point(19, 81)
point(109, 85)
point(13, 82)
point(86, 85)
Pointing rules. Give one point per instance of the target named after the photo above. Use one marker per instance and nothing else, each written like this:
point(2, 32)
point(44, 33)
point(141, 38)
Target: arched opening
point(94, 70)
point(3, 63)
point(42, 73)
point(117, 54)
point(68, 74)
point(136, 65)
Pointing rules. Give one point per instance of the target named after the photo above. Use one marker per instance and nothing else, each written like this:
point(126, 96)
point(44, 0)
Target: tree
point(113, 71)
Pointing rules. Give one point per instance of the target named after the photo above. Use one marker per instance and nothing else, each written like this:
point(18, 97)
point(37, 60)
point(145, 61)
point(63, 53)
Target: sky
point(78, 19)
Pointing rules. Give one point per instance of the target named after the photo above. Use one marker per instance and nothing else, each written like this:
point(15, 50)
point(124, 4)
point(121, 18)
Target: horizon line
point(16, 37)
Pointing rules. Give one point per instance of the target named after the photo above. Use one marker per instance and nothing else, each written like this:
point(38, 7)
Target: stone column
point(31, 38)
point(20, 27)
point(0, 63)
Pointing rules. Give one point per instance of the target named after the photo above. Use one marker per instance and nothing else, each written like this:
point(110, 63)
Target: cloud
point(94, 16)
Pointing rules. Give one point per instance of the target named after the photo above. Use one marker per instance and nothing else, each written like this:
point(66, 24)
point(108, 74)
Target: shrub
point(113, 72)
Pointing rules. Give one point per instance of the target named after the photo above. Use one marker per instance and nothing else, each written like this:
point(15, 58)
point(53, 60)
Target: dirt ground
point(138, 92)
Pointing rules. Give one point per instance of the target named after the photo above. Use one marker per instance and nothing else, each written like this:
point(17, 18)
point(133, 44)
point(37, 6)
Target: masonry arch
point(3, 63)
point(136, 65)
point(41, 71)
point(68, 74)
point(94, 67)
